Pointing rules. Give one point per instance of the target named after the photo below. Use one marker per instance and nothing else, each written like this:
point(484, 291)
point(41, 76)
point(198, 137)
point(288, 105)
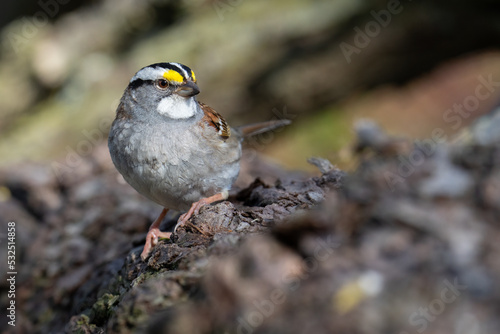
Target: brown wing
point(213, 119)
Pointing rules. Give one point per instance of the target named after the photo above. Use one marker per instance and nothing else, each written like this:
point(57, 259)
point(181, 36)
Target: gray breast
point(173, 164)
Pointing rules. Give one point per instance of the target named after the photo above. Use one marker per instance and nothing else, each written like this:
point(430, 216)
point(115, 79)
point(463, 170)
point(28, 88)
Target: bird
point(174, 150)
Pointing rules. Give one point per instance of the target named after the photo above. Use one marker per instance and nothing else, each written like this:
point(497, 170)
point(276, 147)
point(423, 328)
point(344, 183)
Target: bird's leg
point(153, 234)
point(196, 206)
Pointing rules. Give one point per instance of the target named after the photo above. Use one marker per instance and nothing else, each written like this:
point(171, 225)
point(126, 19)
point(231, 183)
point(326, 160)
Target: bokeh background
point(418, 68)
point(322, 63)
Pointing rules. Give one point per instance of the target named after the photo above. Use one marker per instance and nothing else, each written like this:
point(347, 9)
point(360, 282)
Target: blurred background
point(421, 69)
point(409, 65)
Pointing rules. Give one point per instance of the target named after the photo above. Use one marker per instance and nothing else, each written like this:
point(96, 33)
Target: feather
point(215, 120)
point(258, 128)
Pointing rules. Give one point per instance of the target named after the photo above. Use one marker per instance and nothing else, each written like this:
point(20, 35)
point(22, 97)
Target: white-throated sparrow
point(176, 151)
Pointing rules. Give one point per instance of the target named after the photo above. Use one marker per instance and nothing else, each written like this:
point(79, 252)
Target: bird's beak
point(188, 89)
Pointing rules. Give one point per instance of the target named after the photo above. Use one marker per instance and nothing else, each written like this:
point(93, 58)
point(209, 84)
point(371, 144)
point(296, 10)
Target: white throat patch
point(177, 107)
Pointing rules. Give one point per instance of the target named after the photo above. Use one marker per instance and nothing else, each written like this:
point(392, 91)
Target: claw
point(196, 206)
point(153, 234)
point(154, 230)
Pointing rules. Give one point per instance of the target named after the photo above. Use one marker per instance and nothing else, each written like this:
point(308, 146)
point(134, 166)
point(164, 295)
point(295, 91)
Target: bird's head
point(166, 88)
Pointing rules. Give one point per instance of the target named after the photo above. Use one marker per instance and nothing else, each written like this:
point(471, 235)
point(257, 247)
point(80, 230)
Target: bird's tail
point(258, 128)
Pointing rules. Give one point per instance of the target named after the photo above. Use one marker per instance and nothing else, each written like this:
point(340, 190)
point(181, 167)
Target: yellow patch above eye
point(193, 76)
point(173, 76)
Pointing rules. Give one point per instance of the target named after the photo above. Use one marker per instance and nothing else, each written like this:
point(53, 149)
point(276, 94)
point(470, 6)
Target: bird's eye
point(162, 84)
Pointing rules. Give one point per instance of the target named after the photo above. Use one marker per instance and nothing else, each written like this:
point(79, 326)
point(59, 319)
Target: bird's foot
point(152, 240)
point(196, 206)
point(154, 234)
